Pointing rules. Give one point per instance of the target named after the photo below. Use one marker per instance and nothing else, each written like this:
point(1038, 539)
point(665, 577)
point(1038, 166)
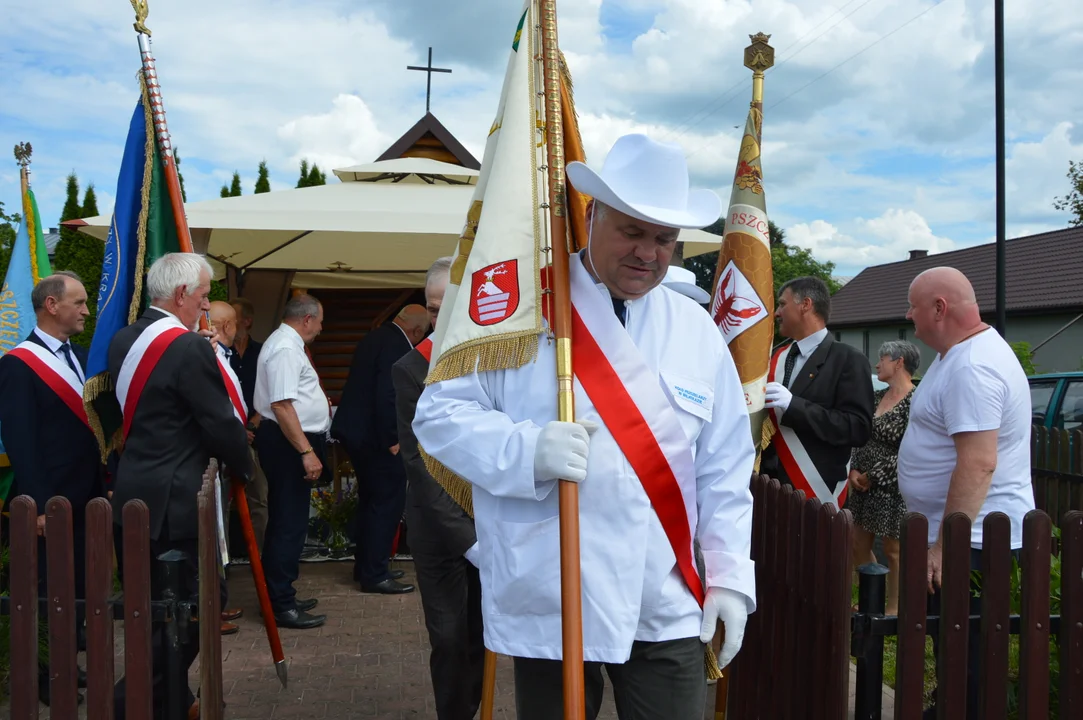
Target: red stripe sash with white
point(56, 374)
point(637, 413)
point(141, 360)
point(233, 388)
point(795, 459)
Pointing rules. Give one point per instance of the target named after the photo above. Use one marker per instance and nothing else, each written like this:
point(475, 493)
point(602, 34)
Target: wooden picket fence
point(135, 607)
point(1057, 470)
point(794, 662)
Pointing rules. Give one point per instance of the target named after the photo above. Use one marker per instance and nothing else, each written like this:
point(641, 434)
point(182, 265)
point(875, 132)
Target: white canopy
point(381, 227)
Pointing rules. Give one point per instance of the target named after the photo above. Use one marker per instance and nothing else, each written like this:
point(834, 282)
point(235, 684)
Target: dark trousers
point(973, 649)
point(451, 598)
point(189, 642)
point(381, 497)
point(288, 500)
point(661, 681)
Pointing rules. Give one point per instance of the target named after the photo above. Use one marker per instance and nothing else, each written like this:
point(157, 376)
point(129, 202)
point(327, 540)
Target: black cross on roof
point(429, 69)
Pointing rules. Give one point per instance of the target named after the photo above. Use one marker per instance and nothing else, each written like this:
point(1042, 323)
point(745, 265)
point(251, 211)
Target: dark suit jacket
point(831, 411)
point(183, 419)
point(51, 450)
point(431, 511)
point(245, 368)
point(365, 418)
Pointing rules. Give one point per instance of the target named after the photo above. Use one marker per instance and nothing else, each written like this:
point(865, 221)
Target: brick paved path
point(369, 661)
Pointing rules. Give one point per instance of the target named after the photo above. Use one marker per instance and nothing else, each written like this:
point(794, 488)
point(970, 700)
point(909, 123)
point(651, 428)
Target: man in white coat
point(662, 453)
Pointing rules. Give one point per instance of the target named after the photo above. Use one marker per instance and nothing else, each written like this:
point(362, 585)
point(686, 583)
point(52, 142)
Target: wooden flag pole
point(184, 237)
point(571, 595)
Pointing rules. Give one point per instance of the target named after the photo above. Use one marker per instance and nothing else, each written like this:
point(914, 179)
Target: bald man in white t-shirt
point(967, 444)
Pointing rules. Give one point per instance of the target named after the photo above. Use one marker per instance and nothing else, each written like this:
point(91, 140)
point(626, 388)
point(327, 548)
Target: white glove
point(778, 396)
point(473, 555)
point(730, 607)
point(561, 452)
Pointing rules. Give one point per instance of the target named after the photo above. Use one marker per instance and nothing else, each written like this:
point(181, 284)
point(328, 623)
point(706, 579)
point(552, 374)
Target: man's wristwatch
point(306, 452)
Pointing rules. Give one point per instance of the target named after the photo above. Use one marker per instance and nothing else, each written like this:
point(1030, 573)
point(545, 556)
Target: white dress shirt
point(805, 348)
point(285, 373)
point(55, 345)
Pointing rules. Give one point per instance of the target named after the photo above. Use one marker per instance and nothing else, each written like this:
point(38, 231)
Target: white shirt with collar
point(285, 373)
point(806, 347)
point(55, 345)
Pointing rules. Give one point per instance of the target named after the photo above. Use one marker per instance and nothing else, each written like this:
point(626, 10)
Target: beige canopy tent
point(381, 227)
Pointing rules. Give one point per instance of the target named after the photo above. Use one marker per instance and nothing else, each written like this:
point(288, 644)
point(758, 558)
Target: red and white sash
point(141, 360)
point(639, 415)
point(55, 373)
point(233, 388)
point(795, 459)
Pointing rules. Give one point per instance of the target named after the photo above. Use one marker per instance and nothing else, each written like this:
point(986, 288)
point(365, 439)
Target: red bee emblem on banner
point(494, 292)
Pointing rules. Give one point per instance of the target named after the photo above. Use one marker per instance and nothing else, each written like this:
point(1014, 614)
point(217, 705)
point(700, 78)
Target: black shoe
point(388, 587)
point(80, 677)
point(306, 605)
point(396, 574)
point(299, 620)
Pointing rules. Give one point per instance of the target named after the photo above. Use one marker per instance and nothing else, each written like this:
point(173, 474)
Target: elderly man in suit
point(50, 445)
point(442, 537)
point(365, 424)
point(819, 394)
point(180, 418)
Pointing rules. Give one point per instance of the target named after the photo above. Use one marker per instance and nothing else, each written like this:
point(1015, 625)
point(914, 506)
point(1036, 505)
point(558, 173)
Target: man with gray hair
point(442, 538)
point(365, 424)
point(819, 396)
point(174, 423)
point(291, 441)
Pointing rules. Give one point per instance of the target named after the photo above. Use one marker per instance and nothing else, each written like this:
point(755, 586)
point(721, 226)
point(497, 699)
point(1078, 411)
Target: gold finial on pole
point(759, 57)
point(141, 12)
point(22, 157)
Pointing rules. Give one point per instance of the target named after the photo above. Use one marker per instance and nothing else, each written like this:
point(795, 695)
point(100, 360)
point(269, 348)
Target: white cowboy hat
point(683, 281)
point(649, 181)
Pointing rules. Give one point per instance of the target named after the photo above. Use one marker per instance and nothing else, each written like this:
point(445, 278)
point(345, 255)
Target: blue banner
point(117, 288)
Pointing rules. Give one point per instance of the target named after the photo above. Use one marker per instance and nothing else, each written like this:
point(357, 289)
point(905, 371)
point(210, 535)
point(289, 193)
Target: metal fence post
point(175, 703)
point(867, 646)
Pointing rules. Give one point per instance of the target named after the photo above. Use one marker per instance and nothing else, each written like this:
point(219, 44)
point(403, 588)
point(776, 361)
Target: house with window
point(1044, 294)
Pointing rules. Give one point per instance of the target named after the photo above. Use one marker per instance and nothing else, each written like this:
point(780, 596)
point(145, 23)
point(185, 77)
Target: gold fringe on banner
point(496, 352)
point(459, 490)
point(94, 387)
point(710, 662)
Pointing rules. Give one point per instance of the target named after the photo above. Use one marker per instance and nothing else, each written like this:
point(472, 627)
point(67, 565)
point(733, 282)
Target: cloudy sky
point(878, 131)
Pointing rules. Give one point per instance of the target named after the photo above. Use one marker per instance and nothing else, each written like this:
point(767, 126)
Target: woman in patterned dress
point(874, 497)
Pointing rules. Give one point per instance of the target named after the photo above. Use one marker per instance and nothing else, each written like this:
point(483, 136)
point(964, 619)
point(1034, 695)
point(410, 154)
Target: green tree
point(303, 182)
point(224, 192)
point(180, 178)
point(71, 211)
point(7, 238)
point(1073, 201)
point(1025, 356)
point(235, 187)
point(82, 254)
point(90, 203)
point(704, 265)
point(263, 182)
point(315, 177)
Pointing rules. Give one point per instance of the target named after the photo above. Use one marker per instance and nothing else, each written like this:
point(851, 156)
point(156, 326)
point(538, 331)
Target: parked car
point(1056, 400)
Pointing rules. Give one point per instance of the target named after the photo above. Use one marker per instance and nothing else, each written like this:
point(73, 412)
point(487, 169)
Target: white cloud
point(884, 239)
point(347, 135)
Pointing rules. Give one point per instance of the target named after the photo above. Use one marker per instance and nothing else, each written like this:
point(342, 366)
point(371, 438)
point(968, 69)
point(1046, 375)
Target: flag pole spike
point(759, 58)
point(22, 157)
